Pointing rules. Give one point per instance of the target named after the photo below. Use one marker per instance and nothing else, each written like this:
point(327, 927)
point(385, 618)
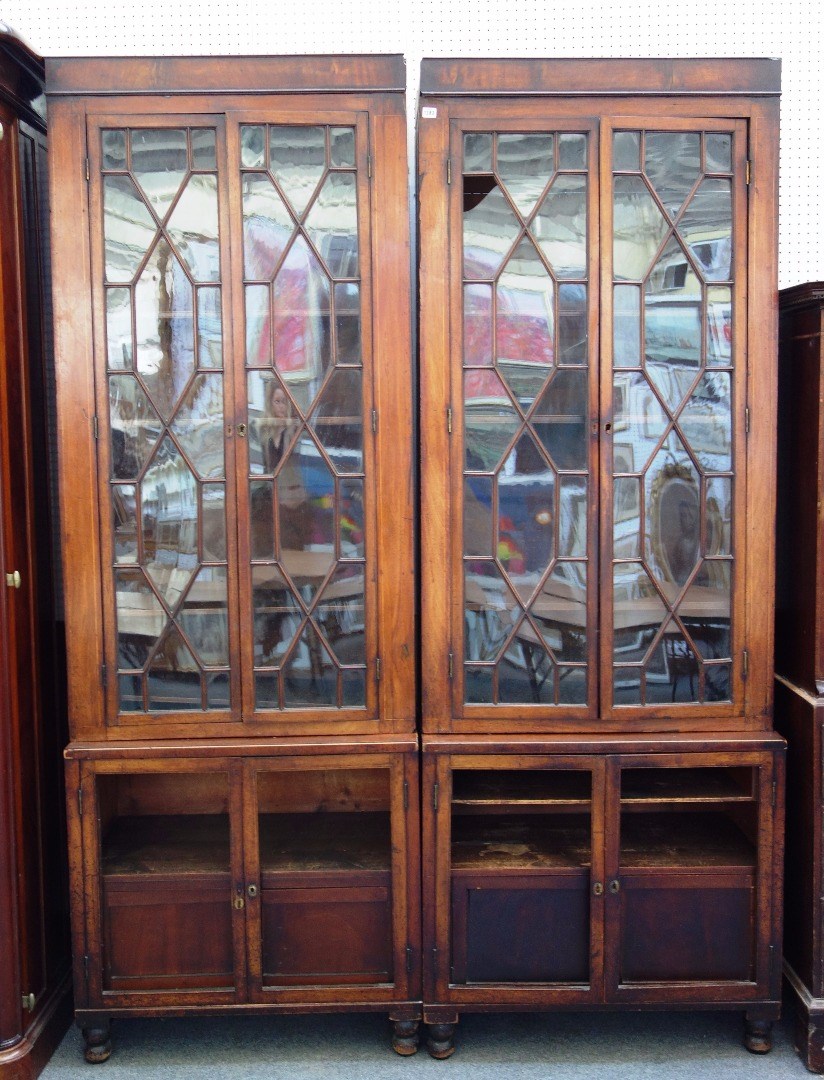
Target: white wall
point(793, 30)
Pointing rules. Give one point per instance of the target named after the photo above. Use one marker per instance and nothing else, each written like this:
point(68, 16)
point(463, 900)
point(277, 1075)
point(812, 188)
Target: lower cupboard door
point(326, 936)
point(520, 929)
point(167, 935)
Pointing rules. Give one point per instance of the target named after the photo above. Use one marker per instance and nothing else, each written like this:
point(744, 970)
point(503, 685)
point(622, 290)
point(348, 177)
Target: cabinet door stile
point(251, 875)
point(601, 855)
point(612, 869)
point(243, 874)
point(92, 959)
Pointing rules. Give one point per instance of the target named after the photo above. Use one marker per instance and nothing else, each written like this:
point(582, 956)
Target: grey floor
point(575, 1046)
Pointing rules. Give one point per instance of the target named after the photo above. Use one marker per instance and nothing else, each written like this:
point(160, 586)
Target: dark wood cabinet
point(35, 984)
point(799, 660)
point(598, 329)
point(233, 331)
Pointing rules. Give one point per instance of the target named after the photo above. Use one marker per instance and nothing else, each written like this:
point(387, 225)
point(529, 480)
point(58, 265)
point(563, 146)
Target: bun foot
point(405, 1038)
point(440, 1040)
point(758, 1036)
point(98, 1045)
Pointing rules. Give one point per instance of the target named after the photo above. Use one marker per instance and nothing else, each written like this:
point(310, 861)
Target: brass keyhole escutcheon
point(615, 886)
point(238, 903)
point(241, 430)
point(13, 580)
point(252, 890)
point(598, 888)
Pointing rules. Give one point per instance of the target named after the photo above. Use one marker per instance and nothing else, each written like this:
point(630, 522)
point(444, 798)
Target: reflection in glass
point(490, 420)
point(258, 324)
point(164, 328)
point(273, 425)
point(626, 151)
point(342, 147)
point(337, 420)
point(340, 614)
point(672, 324)
point(478, 689)
point(525, 322)
point(572, 151)
point(310, 675)
point(525, 673)
point(140, 619)
point(174, 676)
point(128, 228)
point(353, 681)
point(560, 419)
point(297, 159)
point(490, 228)
point(525, 164)
point(213, 498)
point(332, 224)
point(491, 611)
point(114, 149)
point(560, 227)
point(477, 152)
point(125, 523)
point(347, 322)
point(267, 226)
point(626, 341)
point(209, 328)
point(477, 516)
point(573, 329)
point(203, 148)
point(192, 228)
point(706, 608)
point(719, 152)
point(198, 425)
point(718, 515)
point(135, 427)
point(305, 493)
point(706, 228)
point(277, 615)
point(477, 324)
point(351, 518)
point(252, 146)
point(639, 228)
point(561, 615)
point(526, 522)
point(638, 612)
point(262, 518)
point(159, 164)
point(673, 515)
point(169, 520)
point(626, 516)
point(204, 616)
point(672, 161)
point(119, 328)
point(303, 317)
point(572, 686)
point(572, 530)
point(706, 422)
point(719, 325)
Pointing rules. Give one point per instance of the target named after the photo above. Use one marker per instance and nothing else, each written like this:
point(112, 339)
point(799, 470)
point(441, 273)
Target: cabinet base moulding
point(27, 1058)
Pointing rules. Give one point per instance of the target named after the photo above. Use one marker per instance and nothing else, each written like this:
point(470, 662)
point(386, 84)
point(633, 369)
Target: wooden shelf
point(167, 844)
point(647, 788)
point(308, 843)
point(709, 840)
point(517, 843)
point(534, 792)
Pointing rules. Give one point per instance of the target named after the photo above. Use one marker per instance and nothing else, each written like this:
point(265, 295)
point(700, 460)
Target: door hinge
point(104, 676)
point(377, 669)
point(406, 794)
point(749, 171)
point(88, 169)
point(745, 663)
point(80, 801)
point(449, 170)
point(95, 427)
point(86, 967)
point(451, 666)
point(435, 797)
point(449, 419)
point(374, 421)
point(369, 166)
point(747, 420)
point(28, 1002)
point(408, 959)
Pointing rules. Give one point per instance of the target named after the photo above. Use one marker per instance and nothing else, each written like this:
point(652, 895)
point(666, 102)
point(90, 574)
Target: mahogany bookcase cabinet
point(35, 959)
point(603, 792)
point(799, 649)
point(232, 302)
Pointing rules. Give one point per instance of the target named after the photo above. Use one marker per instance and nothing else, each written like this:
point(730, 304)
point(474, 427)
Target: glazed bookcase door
point(306, 460)
point(674, 391)
point(163, 881)
point(519, 878)
point(523, 284)
point(690, 878)
point(332, 896)
point(160, 267)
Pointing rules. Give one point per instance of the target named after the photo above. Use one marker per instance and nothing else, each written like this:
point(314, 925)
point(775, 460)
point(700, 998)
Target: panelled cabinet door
point(587, 371)
point(249, 300)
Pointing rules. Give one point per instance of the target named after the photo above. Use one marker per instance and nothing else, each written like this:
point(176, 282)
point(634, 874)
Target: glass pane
point(348, 322)
point(340, 614)
point(672, 324)
point(130, 689)
point(477, 343)
point(682, 681)
point(491, 611)
point(478, 685)
point(310, 675)
point(135, 427)
point(267, 226)
point(706, 608)
point(572, 686)
point(572, 528)
point(203, 149)
point(128, 228)
point(490, 228)
point(198, 425)
point(276, 616)
point(174, 676)
point(303, 321)
point(572, 151)
point(561, 419)
point(477, 152)
point(159, 164)
point(626, 342)
point(639, 228)
point(193, 229)
point(560, 612)
point(119, 328)
point(217, 692)
point(706, 422)
point(258, 326)
point(526, 505)
point(298, 160)
point(305, 492)
point(560, 227)
point(354, 688)
point(490, 420)
point(337, 420)
point(626, 510)
point(165, 328)
point(213, 497)
point(525, 164)
point(626, 150)
point(114, 149)
point(526, 674)
point(169, 518)
point(636, 411)
point(638, 612)
point(351, 519)
point(719, 515)
point(125, 523)
point(719, 325)
point(719, 152)
point(272, 425)
point(477, 516)
point(672, 161)
point(673, 513)
point(140, 619)
point(573, 330)
point(262, 514)
point(332, 224)
point(204, 616)
point(525, 323)
point(209, 328)
point(706, 228)
point(342, 147)
point(626, 686)
point(252, 146)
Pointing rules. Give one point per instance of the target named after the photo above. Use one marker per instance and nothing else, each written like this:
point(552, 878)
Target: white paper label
point(428, 113)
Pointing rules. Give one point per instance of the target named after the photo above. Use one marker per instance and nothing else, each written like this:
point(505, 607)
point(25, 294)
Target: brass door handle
point(13, 580)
